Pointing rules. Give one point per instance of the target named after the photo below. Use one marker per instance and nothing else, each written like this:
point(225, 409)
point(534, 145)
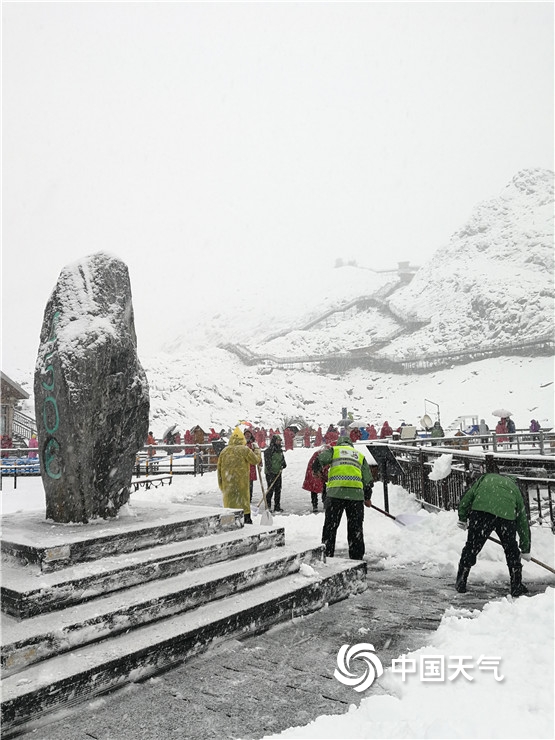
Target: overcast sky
point(213, 145)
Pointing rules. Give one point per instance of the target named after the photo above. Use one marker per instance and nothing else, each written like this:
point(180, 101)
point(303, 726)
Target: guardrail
point(535, 476)
point(179, 459)
point(23, 425)
point(521, 443)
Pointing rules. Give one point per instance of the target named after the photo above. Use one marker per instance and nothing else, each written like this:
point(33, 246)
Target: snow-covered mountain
point(491, 284)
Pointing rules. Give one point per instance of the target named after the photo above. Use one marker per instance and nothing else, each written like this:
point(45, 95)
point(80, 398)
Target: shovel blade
point(266, 518)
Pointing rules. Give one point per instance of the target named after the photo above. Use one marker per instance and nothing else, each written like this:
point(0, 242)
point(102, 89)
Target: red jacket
point(315, 483)
point(386, 431)
point(289, 437)
point(331, 437)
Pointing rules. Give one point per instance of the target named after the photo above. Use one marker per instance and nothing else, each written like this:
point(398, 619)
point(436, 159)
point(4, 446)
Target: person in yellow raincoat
point(234, 472)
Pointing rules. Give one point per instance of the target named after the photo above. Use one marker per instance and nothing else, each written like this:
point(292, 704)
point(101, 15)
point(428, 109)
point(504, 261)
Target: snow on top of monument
point(88, 319)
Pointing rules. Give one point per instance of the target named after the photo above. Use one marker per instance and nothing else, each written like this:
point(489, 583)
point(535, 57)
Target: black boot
point(517, 587)
point(462, 575)
point(247, 519)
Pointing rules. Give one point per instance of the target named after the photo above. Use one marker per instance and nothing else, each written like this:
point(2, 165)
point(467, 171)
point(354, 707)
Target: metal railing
point(535, 478)
point(519, 443)
point(182, 459)
point(23, 425)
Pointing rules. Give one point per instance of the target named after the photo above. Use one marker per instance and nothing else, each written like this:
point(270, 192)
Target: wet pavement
point(278, 679)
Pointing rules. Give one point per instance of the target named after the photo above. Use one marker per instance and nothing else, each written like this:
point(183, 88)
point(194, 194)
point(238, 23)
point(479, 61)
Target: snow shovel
point(265, 517)
point(404, 520)
point(385, 513)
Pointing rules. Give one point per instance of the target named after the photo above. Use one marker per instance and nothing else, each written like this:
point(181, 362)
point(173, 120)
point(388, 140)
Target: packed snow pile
point(441, 467)
point(493, 282)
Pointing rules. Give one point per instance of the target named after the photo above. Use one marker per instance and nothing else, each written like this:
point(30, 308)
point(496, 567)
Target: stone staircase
point(89, 608)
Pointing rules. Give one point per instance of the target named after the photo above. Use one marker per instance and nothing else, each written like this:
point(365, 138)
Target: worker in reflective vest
point(349, 490)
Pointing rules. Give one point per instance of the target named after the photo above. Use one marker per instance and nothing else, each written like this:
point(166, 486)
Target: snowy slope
point(493, 282)
point(213, 388)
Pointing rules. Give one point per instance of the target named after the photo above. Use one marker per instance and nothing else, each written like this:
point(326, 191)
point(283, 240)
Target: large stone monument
point(91, 392)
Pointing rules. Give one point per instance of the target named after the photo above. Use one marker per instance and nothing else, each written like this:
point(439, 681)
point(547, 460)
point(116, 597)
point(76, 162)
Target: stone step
point(28, 591)
point(66, 680)
point(40, 637)
point(31, 539)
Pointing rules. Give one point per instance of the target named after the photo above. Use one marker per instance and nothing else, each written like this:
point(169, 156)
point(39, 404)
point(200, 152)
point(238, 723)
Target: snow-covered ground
point(520, 632)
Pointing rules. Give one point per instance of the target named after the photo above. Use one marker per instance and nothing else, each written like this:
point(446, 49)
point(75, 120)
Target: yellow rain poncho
point(233, 471)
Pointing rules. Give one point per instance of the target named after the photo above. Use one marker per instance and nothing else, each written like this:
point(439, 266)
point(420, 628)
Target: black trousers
point(276, 489)
point(314, 498)
point(354, 510)
point(480, 525)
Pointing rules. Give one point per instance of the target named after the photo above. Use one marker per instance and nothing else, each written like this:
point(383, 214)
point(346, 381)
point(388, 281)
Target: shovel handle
point(538, 562)
point(269, 488)
point(263, 493)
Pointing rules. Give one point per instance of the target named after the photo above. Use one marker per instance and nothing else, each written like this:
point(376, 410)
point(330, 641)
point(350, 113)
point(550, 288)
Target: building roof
point(13, 388)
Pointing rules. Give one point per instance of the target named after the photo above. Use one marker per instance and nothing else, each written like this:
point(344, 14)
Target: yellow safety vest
point(346, 468)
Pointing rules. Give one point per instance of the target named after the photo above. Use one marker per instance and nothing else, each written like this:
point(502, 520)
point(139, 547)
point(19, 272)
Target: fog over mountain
point(490, 286)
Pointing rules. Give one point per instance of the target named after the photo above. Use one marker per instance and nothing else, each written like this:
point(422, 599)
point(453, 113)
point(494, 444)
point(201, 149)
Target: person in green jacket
point(494, 503)
point(349, 489)
point(437, 432)
point(274, 463)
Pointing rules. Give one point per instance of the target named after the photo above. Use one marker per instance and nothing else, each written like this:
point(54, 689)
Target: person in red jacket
point(372, 433)
point(316, 484)
point(307, 437)
point(355, 435)
point(188, 439)
point(319, 438)
point(289, 438)
point(331, 436)
point(500, 430)
point(33, 446)
point(152, 442)
point(251, 443)
point(261, 438)
point(386, 431)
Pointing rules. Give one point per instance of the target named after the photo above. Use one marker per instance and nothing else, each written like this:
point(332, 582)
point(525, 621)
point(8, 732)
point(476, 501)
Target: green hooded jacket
point(498, 495)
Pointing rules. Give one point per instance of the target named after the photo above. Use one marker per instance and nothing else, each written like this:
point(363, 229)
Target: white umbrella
point(502, 413)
